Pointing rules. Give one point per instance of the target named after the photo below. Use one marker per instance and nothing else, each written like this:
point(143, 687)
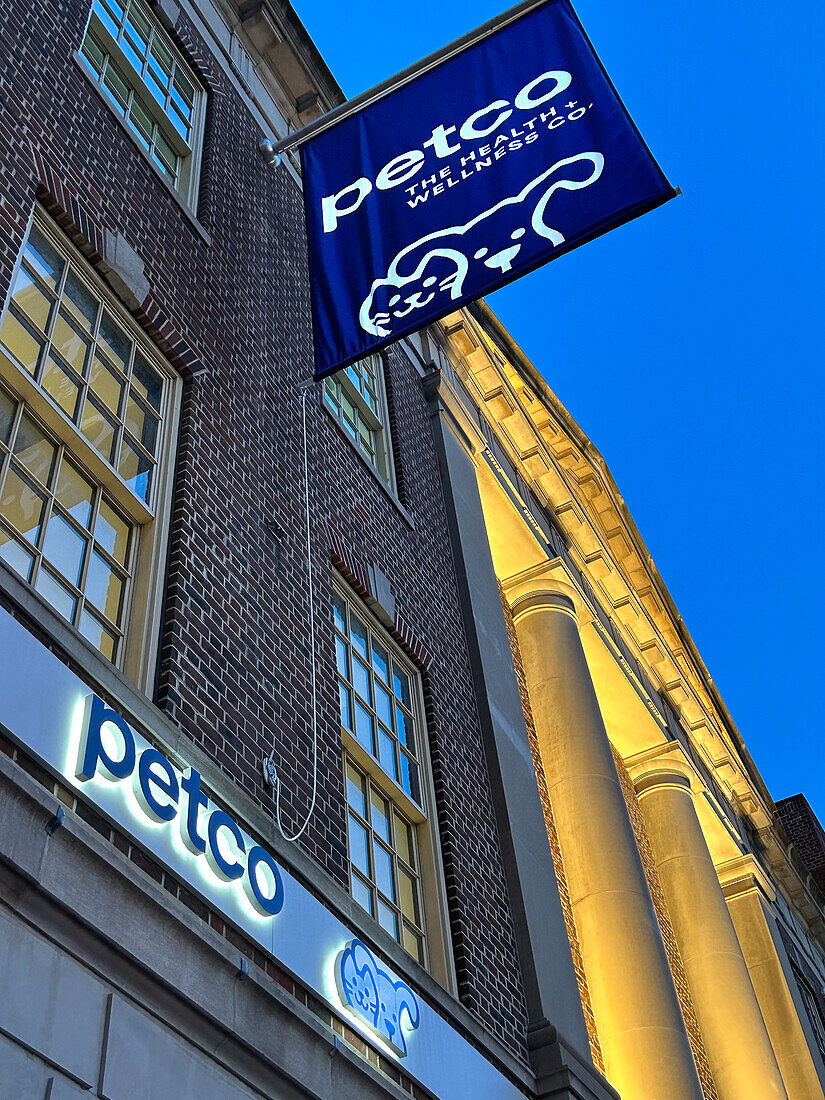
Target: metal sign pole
point(271, 150)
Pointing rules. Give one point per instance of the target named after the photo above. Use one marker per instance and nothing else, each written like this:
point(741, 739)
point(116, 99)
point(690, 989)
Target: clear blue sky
point(688, 343)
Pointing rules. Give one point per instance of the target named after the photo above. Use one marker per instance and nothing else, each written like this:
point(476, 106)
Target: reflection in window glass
point(383, 861)
point(131, 58)
point(58, 330)
point(60, 531)
point(355, 398)
point(384, 716)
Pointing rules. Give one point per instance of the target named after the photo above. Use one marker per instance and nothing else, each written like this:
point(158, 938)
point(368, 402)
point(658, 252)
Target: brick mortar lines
point(234, 656)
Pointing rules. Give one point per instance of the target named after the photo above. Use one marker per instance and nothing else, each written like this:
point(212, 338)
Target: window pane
point(56, 593)
point(114, 341)
point(361, 679)
point(75, 493)
point(404, 727)
point(383, 871)
point(409, 778)
point(22, 504)
point(404, 841)
point(386, 754)
point(136, 470)
point(82, 305)
point(146, 381)
point(387, 919)
point(363, 727)
point(94, 54)
point(34, 450)
point(165, 155)
point(358, 845)
point(116, 86)
point(106, 384)
point(380, 661)
point(382, 705)
point(138, 26)
point(408, 893)
point(94, 631)
point(99, 430)
point(339, 613)
point(70, 342)
point(358, 633)
point(112, 532)
point(379, 818)
point(104, 587)
point(64, 547)
point(401, 684)
point(13, 554)
point(142, 424)
point(356, 790)
point(362, 893)
point(45, 260)
point(341, 657)
point(414, 944)
point(22, 341)
point(142, 123)
point(344, 706)
point(183, 93)
point(8, 408)
point(61, 385)
point(33, 301)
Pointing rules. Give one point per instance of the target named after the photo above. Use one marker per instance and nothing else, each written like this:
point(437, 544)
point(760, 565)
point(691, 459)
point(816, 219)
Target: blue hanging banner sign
point(481, 169)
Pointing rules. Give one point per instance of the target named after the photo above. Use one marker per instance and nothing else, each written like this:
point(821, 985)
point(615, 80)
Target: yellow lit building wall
point(665, 841)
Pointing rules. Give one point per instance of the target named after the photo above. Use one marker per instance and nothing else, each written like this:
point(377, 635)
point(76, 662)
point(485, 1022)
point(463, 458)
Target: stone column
point(557, 1036)
point(641, 1030)
point(736, 1041)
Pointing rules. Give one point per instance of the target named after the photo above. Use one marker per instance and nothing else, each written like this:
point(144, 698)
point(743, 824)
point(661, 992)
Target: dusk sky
point(688, 343)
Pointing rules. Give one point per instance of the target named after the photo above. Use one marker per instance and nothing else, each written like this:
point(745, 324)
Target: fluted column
point(736, 1039)
point(641, 1030)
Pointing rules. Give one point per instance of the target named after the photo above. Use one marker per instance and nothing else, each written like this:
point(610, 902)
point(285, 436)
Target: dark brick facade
point(229, 306)
point(805, 833)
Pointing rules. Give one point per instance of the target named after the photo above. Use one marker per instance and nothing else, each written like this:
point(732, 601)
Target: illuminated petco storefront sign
point(159, 801)
point(109, 751)
point(494, 162)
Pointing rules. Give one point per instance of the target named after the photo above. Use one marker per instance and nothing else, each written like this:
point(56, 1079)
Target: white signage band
point(47, 709)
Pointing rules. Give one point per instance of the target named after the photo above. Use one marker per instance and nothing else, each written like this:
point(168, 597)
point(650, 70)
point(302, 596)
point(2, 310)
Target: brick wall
point(236, 649)
point(805, 833)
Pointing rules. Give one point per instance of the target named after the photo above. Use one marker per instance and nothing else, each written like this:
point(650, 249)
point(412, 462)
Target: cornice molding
point(569, 476)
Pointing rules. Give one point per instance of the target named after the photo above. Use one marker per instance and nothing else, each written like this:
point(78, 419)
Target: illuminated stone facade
point(678, 882)
point(571, 883)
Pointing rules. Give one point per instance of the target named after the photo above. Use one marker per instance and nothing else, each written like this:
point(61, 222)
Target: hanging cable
point(306, 389)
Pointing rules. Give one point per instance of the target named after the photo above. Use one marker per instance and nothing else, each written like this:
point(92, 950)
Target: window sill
point(186, 210)
point(405, 515)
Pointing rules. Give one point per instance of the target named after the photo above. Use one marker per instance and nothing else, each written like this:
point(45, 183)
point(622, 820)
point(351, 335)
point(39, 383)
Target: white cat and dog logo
point(438, 263)
point(487, 165)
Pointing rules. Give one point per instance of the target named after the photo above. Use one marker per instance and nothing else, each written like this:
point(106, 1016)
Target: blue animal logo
point(437, 265)
point(386, 1006)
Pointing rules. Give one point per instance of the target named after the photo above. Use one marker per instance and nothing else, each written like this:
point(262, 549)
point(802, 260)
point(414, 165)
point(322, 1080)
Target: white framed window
point(63, 533)
point(357, 398)
point(394, 863)
point(88, 412)
point(384, 861)
point(134, 62)
point(812, 1009)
